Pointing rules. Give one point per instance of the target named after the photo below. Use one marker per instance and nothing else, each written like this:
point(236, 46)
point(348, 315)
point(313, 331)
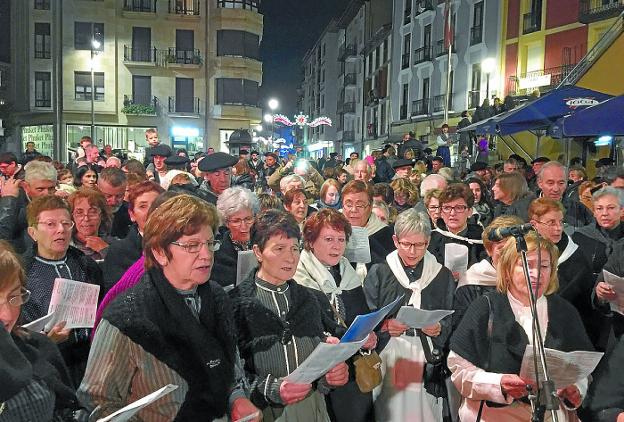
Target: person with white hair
point(429, 183)
point(292, 181)
point(237, 207)
point(411, 272)
point(39, 180)
point(113, 162)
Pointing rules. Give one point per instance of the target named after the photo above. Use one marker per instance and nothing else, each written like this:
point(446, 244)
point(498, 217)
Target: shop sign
point(42, 136)
point(534, 81)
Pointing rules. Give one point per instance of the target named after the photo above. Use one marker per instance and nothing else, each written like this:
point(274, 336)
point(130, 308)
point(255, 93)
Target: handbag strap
point(487, 362)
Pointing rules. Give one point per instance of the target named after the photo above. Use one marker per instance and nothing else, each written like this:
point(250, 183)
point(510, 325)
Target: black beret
point(402, 162)
point(160, 149)
point(477, 166)
point(254, 152)
point(216, 161)
point(606, 161)
point(540, 160)
point(177, 161)
point(243, 152)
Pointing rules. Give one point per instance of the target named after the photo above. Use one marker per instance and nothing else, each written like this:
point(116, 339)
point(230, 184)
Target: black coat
point(121, 222)
point(121, 255)
point(13, 222)
point(383, 171)
point(413, 144)
point(225, 260)
point(476, 252)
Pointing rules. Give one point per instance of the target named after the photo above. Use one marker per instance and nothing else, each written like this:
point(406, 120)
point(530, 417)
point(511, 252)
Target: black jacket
point(413, 144)
point(13, 222)
point(225, 260)
point(383, 171)
point(476, 252)
point(121, 255)
point(121, 222)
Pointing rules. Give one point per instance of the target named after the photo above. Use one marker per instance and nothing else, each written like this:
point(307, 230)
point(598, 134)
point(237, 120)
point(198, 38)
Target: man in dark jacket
point(30, 154)
point(383, 170)
point(217, 170)
point(410, 143)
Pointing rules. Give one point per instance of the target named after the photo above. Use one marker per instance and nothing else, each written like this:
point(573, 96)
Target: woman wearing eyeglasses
point(90, 213)
point(173, 327)
point(35, 384)
point(51, 257)
point(237, 207)
point(413, 272)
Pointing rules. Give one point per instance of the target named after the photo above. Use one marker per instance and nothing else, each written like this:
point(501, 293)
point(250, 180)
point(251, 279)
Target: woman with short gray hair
point(414, 273)
point(237, 207)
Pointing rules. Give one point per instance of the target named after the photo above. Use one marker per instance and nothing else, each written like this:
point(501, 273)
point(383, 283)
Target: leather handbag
point(367, 370)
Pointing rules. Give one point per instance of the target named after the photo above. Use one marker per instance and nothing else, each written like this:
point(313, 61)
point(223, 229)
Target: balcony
point(597, 10)
point(422, 55)
point(440, 50)
point(407, 14)
point(543, 80)
point(348, 136)
point(474, 99)
point(44, 102)
point(438, 103)
point(403, 112)
point(236, 112)
point(350, 79)
point(139, 6)
point(423, 5)
point(348, 52)
point(348, 107)
point(184, 105)
point(140, 57)
point(405, 60)
point(184, 8)
point(531, 22)
point(142, 106)
point(239, 4)
point(476, 35)
point(420, 107)
point(183, 58)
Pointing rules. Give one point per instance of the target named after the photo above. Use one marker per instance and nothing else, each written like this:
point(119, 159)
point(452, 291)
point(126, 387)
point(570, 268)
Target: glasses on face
point(457, 208)
point(195, 247)
point(551, 224)
point(433, 208)
point(358, 205)
point(417, 246)
point(52, 225)
point(91, 213)
point(238, 221)
point(18, 299)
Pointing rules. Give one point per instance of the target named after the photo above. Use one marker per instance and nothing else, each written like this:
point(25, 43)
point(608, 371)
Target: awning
point(606, 118)
point(542, 112)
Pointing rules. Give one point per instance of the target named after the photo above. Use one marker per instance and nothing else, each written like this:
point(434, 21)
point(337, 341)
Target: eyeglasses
point(418, 246)
point(433, 207)
point(358, 205)
point(551, 224)
point(457, 208)
point(91, 213)
point(19, 299)
point(195, 247)
point(238, 221)
point(52, 225)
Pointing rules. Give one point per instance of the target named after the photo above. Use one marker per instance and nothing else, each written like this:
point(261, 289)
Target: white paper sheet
point(246, 262)
point(617, 283)
point(248, 418)
point(456, 257)
point(358, 248)
point(564, 368)
point(40, 324)
point(420, 318)
point(322, 359)
point(125, 413)
point(74, 302)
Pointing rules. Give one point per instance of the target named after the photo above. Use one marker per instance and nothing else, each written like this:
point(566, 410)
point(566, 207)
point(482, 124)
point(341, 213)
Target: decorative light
point(268, 118)
point(259, 128)
point(488, 65)
point(273, 104)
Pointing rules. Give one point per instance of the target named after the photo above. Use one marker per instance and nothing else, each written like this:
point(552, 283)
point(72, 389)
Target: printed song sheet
point(456, 257)
point(617, 283)
point(40, 324)
point(126, 413)
point(74, 302)
point(364, 324)
point(420, 318)
point(358, 248)
point(322, 359)
point(564, 368)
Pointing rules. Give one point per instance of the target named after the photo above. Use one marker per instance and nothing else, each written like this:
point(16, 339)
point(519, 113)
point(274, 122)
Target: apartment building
point(421, 70)
point(190, 68)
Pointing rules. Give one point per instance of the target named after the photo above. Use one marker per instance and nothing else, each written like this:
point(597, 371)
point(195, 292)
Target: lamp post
point(488, 67)
point(95, 45)
point(273, 105)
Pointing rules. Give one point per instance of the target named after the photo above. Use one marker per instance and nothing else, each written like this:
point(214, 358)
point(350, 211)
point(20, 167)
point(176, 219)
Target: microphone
point(501, 233)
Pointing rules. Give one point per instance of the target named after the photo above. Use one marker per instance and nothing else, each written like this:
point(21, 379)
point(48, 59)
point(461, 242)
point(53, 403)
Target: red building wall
point(511, 64)
point(561, 12)
point(513, 18)
point(575, 40)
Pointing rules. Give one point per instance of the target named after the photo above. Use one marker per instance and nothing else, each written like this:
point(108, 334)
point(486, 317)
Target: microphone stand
point(545, 398)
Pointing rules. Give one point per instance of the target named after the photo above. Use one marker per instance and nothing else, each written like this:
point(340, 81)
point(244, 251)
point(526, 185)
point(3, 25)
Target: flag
point(448, 25)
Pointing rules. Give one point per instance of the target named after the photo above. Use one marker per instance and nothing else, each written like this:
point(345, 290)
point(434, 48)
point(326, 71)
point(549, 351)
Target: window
point(239, 4)
point(322, 101)
point(237, 91)
point(382, 115)
point(82, 81)
point(405, 58)
point(377, 57)
point(370, 63)
point(42, 4)
point(404, 100)
point(385, 50)
point(43, 46)
point(85, 32)
point(43, 91)
point(238, 43)
point(476, 32)
point(407, 12)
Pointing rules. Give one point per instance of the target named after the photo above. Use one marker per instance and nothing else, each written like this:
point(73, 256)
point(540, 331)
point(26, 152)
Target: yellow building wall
point(606, 73)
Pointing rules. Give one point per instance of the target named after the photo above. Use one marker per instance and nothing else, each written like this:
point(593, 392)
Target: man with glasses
point(112, 183)
point(217, 170)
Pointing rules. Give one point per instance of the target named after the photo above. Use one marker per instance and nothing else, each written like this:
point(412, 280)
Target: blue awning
point(606, 118)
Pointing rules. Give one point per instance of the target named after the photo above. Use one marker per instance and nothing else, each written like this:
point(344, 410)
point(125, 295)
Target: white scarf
point(313, 274)
point(374, 224)
point(482, 273)
point(458, 237)
point(431, 268)
point(567, 252)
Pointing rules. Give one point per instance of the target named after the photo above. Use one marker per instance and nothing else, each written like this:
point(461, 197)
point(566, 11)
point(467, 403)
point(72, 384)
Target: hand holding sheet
point(126, 413)
point(362, 325)
point(617, 283)
point(420, 318)
point(74, 302)
point(456, 257)
point(40, 324)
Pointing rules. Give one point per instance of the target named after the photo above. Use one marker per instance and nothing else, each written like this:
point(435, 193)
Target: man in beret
point(402, 168)
point(536, 166)
point(479, 169)
point(159, 154)
point(217, 170)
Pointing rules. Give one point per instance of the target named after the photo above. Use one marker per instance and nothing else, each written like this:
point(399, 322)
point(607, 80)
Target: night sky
point(291, 27)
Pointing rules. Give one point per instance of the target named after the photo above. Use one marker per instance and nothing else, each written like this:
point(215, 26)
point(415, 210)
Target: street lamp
point(488, 66)
point(273, 104)
point(95, 45)
point(259, 128)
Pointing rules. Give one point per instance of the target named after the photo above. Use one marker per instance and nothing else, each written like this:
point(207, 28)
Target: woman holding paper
point(323, 268)
point(237, 207)
point(173, 327)
point(485, 362)
point(411, 271)
point(279, 324)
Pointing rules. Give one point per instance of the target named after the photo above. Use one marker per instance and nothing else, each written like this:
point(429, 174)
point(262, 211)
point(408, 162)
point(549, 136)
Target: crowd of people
point(164, 240)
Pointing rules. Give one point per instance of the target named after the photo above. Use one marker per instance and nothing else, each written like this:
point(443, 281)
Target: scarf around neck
point(482, 273)
point(431, 268)
point(374, 224)
point(458, 237)
point(570, 248)
point(313, 274)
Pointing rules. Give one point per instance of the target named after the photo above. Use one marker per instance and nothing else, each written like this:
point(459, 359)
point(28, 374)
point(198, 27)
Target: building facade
point(190, 68)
